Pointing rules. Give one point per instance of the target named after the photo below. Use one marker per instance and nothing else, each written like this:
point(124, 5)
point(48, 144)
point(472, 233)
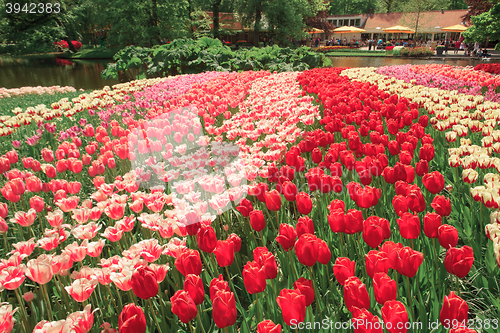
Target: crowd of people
point(470, 49)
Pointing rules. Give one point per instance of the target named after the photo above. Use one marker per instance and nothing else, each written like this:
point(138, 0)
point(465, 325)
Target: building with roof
point(427, 25)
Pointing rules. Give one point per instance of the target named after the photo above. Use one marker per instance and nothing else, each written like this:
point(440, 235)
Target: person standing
point(476, 48)
point(446, 46)
point(457, 47)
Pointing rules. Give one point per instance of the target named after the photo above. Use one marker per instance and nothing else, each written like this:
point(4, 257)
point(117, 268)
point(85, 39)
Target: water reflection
point(53, 71)
point(86, 74)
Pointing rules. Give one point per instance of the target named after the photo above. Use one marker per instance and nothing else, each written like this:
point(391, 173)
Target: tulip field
point(328, 200)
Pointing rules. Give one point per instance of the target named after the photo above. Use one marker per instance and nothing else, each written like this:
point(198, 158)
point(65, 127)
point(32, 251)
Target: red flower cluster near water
point(62, 44)
point(488, 68)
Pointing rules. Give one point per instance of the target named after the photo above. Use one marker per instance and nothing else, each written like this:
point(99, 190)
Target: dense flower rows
point(249, 201)
point(4, 92)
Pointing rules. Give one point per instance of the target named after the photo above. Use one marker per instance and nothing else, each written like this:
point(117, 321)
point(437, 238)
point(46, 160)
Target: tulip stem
point(113, 300)
point(23, 310)
point(213, 262)
point(316, 294)
point(49, 307)
point(191, 327)
point(277, 221)
point(154, 315)
point(237, 298)
point(199, 319)
point(262, 238)
point(293, 266)
point(409, 299)
point(257, 307)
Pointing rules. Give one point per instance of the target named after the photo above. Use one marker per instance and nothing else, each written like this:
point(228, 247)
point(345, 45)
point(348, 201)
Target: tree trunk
point(256, 32)
point(70, 45)
point(215, 10)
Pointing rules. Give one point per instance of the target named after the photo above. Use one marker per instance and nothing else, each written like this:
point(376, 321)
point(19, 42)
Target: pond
point(49, 70)
point(53, 71)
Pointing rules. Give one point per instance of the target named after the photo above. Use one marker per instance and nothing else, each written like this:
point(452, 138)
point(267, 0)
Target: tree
point(485, 26)
point(476, 7)
point(35, 25)
point(320, 22)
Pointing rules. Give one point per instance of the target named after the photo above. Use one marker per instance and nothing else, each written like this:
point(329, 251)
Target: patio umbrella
point(316, 31)
point(348, 30)
point(455, 28)
point(399, 29)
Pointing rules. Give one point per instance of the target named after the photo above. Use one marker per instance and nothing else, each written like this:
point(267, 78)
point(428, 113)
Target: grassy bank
point(92, 53)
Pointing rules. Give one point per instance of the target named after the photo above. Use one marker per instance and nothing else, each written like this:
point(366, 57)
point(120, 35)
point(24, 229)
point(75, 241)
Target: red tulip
point(273, 200)
point(353, 221)
point(189, 262)
point(395, 317)
point(324, 253)
point(384, 287)
point(364, 321)
point(391, 249)
point(400, 204)
point(236, 241)
point(132, 319)
point(454, 310)
point(422, 168)
point(267, 261)
point(290, 191)
point(447, 236)
point(432, 222)
point(4, 210)
point(459, 261)
point(375, 230)
point(287, 236)
point(267, 326)
point(304, 203)
point(375, 262)
point(224, 309)
point(304, 226)
point(254, 277)
point(216, 285)
point(306, 288)
point(293, 306)
point(409, 226)
point(257, 220)
point(343, 269)
point(194, 287)
point(224, 253)
point(206, 238)
point(183, 306)
point(426, 152)
point(408, 261)
point(336, 220)
point(307, 249)
point(245, 207)
point(433, 182)
point(37, 203)
point(415, 199)
point(355, 294)
point(441, 205)
point(316, 155)
point(144, 283)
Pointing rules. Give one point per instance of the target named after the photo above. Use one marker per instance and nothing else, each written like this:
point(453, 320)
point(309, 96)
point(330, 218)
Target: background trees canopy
point(153, 22)
point(486, 26)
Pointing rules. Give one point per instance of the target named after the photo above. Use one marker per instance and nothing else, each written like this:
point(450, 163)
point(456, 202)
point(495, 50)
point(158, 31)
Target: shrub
point(416, 52)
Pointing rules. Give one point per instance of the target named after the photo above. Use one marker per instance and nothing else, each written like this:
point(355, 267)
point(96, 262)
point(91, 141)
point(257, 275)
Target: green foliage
point(206, 54)
point(485, 25)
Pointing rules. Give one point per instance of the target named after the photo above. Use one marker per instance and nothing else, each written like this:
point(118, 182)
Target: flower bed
point(4, 92)
point(253, 201)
